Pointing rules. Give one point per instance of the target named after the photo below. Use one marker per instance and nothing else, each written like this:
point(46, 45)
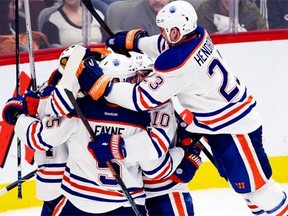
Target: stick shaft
point(109, 164)
point(19, 168)
point(94, 13)
point(196, 139)
point(14, 184)
point(30, 45)
point(90, 7)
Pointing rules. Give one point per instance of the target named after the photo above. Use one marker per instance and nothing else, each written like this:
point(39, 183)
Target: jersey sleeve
point(58, 103)
point(153, 46)
point(153, 91)
point(45, 134)
point(163, 167)
point(154, 142)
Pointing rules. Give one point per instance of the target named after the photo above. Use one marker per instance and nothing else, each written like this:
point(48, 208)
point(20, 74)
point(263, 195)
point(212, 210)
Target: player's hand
point(54, 77)
point(96, 53)
point(107, 147)
point(92, 80)
point(186, 139)
point(31, 103)
point(13, 109)
point(126, 40)
point(187, 168)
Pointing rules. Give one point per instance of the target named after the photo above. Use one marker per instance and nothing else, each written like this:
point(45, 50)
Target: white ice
point(216, 202)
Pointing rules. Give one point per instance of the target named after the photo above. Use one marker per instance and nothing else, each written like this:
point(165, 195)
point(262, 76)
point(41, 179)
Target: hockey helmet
point(143, 64)
point(142, 61)
point(118, 67)
point(179, 14)
point(64, 56)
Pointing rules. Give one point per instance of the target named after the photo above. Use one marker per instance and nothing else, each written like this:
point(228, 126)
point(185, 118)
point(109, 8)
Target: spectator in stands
point(213, 15)
point(64, 26)
point(141, 15)
point(8, 30)
point(262, 5)
point(277, 14)
point(103, 5)
point(8, 27)
point(7, 16)
point(50, 3)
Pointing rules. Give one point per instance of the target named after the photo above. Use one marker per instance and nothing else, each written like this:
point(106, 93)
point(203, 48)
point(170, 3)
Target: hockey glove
point(126, 40)
point(54, 77)
point(186, 139)
point(96, 53)
point(107, 147)
point(92, 80)
point(13, 109)
point(187, 168)
point(31, 102)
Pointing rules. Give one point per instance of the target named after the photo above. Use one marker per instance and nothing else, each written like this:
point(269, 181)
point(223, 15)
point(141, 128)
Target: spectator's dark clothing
point(277, 14)
point(249, 17)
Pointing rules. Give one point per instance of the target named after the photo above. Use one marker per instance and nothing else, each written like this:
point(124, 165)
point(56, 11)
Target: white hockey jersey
point(51, 163)
point(195, 72)
point(89, 185)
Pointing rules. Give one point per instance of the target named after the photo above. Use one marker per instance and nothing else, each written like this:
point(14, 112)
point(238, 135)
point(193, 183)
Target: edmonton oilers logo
point(172, 9)
point(116, 62)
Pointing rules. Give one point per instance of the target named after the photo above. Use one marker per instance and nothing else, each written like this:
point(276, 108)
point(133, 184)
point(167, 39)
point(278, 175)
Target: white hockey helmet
point(142, 61)
point(64, 56)
point(179, 14)
point(143, 64)
point(118, 67)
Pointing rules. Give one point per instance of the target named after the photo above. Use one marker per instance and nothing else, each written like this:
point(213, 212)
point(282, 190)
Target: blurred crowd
point(61, 23)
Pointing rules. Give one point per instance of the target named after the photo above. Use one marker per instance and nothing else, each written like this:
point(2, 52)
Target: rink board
point(206, 177)
point(259, 59)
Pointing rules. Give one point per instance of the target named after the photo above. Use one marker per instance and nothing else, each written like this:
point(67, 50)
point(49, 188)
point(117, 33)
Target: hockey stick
point(94, 13)
point(90, 7)
point(19, 168)
point(70, 72)
point(196, 139)
point(14, 184)
point(30, 45)
point(108, 163)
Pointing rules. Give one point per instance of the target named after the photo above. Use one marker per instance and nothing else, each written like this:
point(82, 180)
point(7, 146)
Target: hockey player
point(169, 196)
point(89, 188)
point(189, 66)
point(51, 163)
point(166, 196)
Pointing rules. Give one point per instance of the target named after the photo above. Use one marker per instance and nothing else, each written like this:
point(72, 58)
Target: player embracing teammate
point(189, 66)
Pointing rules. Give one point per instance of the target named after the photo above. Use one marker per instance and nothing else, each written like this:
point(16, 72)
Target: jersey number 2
point(212, 68)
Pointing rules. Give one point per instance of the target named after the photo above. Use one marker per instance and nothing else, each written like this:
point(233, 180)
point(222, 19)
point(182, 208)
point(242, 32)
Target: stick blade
point(69, 79)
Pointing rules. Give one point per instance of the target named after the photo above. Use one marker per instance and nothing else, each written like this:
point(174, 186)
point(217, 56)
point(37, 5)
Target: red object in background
point(7, 131)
